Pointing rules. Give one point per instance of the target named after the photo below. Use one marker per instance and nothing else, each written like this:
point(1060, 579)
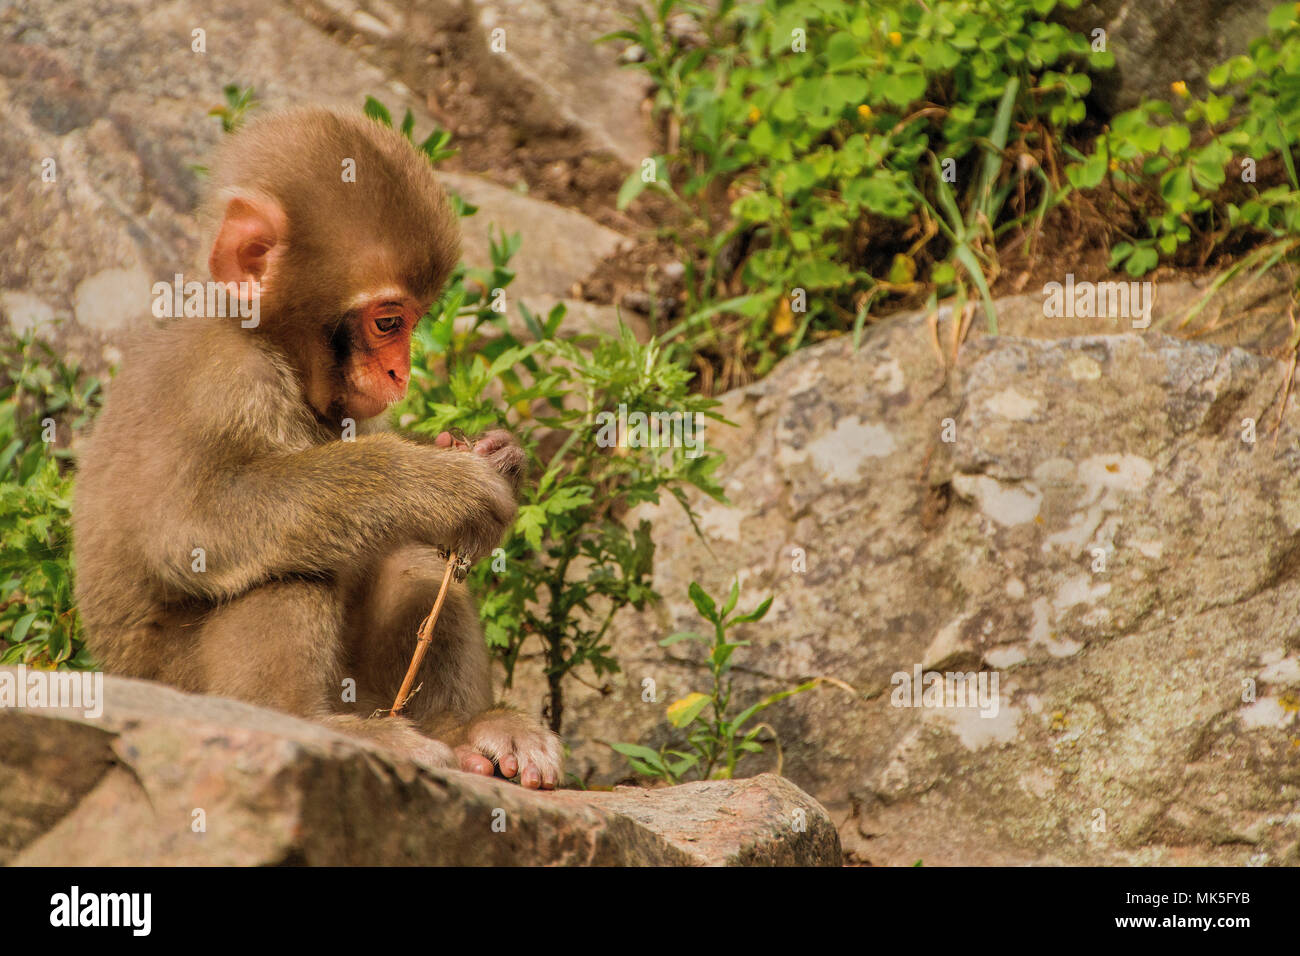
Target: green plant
point(41, 394)
point(1167, 161)
point(798, 134)
point(972, 237)
point(435, 146)
point(715, 738)
point(570, 563)
point(240, 101)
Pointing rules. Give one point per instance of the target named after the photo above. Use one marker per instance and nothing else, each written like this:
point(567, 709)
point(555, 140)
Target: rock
point(120, 111)
point(165, 778)
point(560, 245)
point(1244, 313)
point(546, 46)
point(1143, 33)
point(1098, 535)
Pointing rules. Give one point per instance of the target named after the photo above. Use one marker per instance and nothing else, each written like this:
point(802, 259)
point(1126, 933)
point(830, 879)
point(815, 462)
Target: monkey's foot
point(517, 744)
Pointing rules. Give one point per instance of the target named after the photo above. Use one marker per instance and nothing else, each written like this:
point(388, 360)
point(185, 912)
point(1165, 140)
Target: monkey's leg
point(454, 699)
point(298, 666)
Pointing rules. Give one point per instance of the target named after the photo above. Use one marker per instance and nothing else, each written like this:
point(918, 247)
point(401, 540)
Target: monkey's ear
point(249, 241)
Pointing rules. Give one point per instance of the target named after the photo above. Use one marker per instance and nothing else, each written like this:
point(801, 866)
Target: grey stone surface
point(164, 778)
point(548, 45)
point(113, 94)
point(1098, 534)
point(1156, 42)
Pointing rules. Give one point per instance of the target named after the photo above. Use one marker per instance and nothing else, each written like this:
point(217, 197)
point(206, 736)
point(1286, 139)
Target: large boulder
point(1104, 522)
point(163, 778)
point(1156, 42)
point(115, 96)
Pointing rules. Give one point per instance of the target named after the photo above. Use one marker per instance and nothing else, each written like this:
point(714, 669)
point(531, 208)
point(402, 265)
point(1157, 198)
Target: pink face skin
point(380, 366)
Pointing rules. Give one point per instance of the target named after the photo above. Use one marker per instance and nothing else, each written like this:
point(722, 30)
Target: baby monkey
point(244, 524)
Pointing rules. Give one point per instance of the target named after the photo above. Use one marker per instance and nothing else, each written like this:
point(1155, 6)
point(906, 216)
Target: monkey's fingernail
point(531, 779)
point(509, 766)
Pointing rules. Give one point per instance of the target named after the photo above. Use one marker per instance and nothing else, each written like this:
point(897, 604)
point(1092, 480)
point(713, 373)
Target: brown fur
point(320, 559)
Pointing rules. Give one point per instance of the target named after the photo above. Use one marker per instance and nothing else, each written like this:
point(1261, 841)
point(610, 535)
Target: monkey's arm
point(319, 510)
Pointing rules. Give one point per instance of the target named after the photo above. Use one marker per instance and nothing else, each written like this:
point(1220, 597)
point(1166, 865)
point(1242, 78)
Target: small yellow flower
point(1114, 165)
point(895, 37)
point(783, 320)
point(864, 111)
point(754, 115)
point(1179, 88)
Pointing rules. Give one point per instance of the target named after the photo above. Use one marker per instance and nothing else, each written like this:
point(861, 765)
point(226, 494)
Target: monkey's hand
point(485, 508)
point(517, 744)
point(497, 446)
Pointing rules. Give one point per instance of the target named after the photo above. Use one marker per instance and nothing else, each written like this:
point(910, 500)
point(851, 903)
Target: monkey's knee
point(400, 593)
point(279, 645)
point(382, 633)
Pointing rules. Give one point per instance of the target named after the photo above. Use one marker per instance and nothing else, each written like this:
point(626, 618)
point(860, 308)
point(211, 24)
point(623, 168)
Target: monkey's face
point(366, 365)
point(343, 267)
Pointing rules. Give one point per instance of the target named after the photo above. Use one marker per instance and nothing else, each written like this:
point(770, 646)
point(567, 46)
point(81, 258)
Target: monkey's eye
point(387, 323)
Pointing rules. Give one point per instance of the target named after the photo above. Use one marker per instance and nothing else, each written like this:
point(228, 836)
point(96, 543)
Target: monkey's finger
point(542, 771)
point(540, 777)
point(471, 761)
point(509, 766)
point(492, 441)
point(448, 440)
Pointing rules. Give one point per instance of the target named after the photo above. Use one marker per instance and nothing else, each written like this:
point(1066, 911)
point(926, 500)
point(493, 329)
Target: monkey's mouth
point(364, 405)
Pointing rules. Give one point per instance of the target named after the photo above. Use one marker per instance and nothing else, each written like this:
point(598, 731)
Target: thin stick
point(426, 636)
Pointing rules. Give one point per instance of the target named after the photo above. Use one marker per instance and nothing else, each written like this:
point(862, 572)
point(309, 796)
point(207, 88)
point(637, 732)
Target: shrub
point(42, 394)
point(1166, 162)
point(716, 737)
point(809, 141)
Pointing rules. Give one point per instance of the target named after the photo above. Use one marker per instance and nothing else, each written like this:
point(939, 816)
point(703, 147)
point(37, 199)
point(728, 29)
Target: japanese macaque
point(244, 525)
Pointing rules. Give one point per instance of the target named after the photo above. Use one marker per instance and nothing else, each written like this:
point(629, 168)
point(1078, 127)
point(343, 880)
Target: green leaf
point(650, 757)
point(762, 138)
point(681, 636)
point(743, 717)
point(1176, 188)
point(529, 522)
point(21, 627)
point(755, 615)
point(1281, 17)
point(378, 112)
point(1142, 260)
point(684, 711)
point(703, 603)
point(731, 598)
point(631, 188)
